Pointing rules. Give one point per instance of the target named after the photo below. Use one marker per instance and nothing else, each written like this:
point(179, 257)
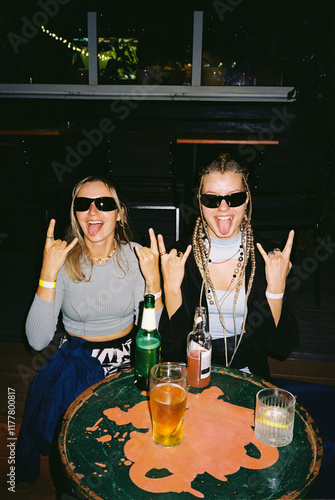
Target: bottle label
point(205, 363)
point(149, 320)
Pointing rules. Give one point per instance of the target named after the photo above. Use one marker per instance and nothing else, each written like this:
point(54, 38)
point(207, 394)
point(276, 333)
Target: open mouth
point(224, 223)
point(94, 227)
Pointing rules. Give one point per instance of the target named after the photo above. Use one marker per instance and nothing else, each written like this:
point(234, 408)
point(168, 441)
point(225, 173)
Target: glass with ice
point(274, 416)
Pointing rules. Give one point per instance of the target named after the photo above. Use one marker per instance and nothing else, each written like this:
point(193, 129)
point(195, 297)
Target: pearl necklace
point(102, 260)
point(224, 250)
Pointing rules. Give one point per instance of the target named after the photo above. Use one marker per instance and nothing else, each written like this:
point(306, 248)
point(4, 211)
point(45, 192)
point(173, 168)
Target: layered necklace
point(221, 253)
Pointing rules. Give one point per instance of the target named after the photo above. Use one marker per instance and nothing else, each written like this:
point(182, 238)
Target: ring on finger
point(162, 253)
point(270, 254)
point(51, 237)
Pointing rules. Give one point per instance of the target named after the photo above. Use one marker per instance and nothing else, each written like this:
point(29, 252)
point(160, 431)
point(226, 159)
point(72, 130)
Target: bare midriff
point(105, 338)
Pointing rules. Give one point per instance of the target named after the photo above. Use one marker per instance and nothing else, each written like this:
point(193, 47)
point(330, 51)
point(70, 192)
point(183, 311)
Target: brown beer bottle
point(199, 351)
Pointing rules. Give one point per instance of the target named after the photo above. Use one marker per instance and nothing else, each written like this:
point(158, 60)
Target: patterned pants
point(114, 355)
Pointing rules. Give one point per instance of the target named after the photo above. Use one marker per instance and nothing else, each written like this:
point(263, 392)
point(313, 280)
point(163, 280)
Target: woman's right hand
point(173, 270)
point(54, 255)
point(172, 264)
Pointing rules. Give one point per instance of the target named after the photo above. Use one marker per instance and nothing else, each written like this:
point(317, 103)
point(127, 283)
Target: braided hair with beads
point(201, 253)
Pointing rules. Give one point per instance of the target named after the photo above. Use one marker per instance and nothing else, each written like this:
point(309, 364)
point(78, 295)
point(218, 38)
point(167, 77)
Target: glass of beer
point(274, 416)
point(168, 394)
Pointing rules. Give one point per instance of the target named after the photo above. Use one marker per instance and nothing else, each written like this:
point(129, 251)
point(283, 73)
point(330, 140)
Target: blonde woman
point(96, 278)
point(239, 279)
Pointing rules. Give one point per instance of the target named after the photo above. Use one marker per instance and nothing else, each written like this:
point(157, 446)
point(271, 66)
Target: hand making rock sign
point(149, 264)
point(173, 270)
point(277, 265)
point(54, 255)
point(277, 268)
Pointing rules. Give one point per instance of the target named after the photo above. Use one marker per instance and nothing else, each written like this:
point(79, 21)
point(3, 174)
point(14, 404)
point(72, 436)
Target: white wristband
point(47, 284)
point(156, 295)
point(274, 295)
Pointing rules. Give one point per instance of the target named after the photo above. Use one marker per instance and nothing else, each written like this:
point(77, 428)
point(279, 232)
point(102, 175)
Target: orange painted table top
point(107, 449)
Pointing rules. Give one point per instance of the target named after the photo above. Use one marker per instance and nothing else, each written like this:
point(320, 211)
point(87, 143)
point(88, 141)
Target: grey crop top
point(106, 304)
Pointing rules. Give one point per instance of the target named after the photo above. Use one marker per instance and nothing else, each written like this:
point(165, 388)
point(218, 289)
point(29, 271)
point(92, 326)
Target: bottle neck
point(149, 319)
point(200, 321)
point(200, 333)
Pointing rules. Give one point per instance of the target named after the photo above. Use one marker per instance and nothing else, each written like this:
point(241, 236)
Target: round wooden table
point(107, 449)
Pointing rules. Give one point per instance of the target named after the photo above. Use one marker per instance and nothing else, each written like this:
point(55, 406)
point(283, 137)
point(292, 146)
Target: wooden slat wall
point(17, 368)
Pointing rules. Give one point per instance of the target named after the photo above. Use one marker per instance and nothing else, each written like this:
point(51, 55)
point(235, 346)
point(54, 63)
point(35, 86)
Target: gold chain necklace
point(240, 271)
point(236, 271)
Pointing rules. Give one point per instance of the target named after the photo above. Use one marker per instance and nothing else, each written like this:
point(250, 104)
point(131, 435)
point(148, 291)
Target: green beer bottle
point(147, 345)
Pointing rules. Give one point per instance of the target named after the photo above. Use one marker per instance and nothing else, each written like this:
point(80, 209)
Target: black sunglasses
point(104, 204)
point(232, 200)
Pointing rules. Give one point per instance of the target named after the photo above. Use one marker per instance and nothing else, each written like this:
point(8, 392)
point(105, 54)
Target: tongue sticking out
point(224, 225)
point(93, 229)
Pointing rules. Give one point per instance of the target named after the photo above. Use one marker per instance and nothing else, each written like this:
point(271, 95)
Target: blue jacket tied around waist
point(63, 376)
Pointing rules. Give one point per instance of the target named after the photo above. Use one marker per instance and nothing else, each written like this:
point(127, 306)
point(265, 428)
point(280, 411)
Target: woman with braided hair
point(239, 278)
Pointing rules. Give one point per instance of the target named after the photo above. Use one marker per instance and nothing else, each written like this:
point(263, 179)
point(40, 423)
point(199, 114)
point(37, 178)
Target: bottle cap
point(149, 301)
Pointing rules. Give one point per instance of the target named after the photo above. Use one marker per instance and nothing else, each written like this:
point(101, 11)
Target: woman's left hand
point(277, 265)
point(149, 259)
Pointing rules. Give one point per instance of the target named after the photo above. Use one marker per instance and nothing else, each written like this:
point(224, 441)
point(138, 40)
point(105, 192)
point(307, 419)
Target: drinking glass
point(274, 416)
point(168, 394)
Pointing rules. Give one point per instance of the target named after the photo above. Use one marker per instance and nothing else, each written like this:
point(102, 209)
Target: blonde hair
point(78, 255)
point(201, 254)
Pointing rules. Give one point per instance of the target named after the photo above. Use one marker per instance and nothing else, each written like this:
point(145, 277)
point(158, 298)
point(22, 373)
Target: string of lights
point(70, 45)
